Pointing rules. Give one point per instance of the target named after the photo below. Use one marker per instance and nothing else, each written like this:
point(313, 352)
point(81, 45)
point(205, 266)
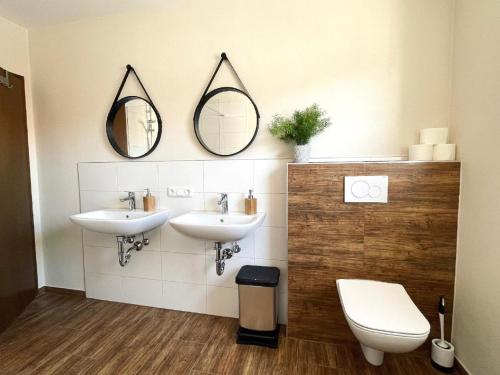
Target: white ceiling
point(38, 13)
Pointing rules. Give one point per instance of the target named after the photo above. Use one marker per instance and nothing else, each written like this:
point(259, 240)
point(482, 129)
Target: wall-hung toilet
point(383, 318)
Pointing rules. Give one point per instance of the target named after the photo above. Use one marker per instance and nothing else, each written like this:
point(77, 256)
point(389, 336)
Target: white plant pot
point(302, 153)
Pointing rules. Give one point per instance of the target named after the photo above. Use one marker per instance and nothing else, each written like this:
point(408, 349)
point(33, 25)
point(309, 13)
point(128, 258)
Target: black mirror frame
point(202, 103)
point(109, 125)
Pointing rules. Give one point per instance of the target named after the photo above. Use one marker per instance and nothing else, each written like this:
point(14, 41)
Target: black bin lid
point(258, 276)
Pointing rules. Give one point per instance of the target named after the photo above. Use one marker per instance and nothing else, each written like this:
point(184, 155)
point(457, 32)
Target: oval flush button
point(360, 189)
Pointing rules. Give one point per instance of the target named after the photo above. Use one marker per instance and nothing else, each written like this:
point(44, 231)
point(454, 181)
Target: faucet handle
point(223, 197)
point(130, 194)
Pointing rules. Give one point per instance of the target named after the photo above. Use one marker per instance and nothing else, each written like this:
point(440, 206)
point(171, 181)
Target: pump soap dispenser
point(250, 204)
point(149, 201)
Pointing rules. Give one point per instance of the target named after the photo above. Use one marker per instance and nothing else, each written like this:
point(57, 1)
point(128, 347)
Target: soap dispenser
point(250, 204)
point(149, 201)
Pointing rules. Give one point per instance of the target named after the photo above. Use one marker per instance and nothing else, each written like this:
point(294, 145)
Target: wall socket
point(179, 192)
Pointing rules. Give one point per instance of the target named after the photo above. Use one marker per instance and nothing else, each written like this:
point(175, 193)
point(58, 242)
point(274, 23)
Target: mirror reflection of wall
point(142, 127)
point(135, 127)
point(228, 122)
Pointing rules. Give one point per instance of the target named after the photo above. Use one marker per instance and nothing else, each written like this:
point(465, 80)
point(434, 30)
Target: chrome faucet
point(222, 202)
point(131, 200)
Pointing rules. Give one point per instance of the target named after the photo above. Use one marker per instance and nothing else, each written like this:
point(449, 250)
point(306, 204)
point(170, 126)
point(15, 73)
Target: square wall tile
point(98, 200)
point(186, 268)
point(98, 176)
point(181, 174)
point(142, 292)
point(104, 287)
point(98, 239)
point(145, 264)
point(102, 260)
point(178, 206)
point(274, 205)
point(185, 297)
point(228, 176)
point(271, 243)
point(222, 301)
point(137, 176)
point(270, 176)
point(176, 242)
point(227, 279)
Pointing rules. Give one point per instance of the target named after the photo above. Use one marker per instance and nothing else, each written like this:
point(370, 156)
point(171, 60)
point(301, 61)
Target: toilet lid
point(380, 306)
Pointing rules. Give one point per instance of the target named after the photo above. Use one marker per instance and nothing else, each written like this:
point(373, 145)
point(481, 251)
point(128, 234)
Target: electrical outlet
point(179, 192)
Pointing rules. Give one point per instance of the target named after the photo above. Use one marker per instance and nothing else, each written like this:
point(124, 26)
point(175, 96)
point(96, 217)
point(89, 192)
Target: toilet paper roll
point(444, 152)
point(433, 136)
point(420, 152)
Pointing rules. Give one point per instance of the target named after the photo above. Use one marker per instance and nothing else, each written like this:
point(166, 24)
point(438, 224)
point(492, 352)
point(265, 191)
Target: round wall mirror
point(226, 121)
point(133, 127)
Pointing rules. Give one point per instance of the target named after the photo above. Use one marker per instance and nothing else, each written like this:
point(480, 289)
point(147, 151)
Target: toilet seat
point(378, 332)
point(381, 308)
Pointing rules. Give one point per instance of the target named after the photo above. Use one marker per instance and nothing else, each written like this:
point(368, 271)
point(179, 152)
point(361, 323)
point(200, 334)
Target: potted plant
point(299, 129)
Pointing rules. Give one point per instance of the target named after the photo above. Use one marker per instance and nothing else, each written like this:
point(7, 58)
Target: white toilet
point(383, 318)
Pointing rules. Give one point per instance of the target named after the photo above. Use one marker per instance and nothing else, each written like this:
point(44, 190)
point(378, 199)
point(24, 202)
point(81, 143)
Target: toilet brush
point(443, 352)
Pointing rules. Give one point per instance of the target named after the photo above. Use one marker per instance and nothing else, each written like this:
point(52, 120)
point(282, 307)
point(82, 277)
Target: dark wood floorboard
point(62, 334)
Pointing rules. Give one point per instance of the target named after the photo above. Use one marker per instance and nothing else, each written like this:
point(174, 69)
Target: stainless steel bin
point(258, 305)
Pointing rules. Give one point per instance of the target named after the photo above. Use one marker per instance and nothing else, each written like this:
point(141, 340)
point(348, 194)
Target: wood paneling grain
point(410, 240)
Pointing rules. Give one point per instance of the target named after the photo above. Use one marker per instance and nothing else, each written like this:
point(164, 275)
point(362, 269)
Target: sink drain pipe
point(125, 255)
point(222, 254)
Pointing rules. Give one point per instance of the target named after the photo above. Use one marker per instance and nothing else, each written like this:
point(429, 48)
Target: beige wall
point(381, 68)
point(14, 56)
point(476, 120)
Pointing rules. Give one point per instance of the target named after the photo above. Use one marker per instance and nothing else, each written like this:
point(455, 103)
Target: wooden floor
point(60, 334)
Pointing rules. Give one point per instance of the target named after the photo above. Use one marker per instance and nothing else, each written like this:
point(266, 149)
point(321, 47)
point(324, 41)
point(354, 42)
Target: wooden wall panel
point(410, 240)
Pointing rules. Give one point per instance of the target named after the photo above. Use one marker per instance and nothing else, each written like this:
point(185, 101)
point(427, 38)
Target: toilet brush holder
point(443, 355)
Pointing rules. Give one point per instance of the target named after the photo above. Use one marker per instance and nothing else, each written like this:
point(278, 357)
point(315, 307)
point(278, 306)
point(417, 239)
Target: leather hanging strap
point(223, 57)
point(130, 69)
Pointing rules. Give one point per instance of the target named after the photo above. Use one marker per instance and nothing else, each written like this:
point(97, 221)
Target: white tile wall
point(106, 287)
point(142, 291)
point(98, 176)
point(185, 297)
point(176, 242)
point(137, 176)
point(184, 268)
point(271, 243)
point(228, 176)
point(181, 174)
point(95, 200)
point(179, 206)
point(222, 301)
point(175, 271)
point(270, 176)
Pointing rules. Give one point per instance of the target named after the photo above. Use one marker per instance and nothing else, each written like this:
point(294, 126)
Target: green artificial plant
point(301, 126)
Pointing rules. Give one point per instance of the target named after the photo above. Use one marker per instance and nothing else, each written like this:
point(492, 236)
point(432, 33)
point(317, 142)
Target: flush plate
point(366, 189)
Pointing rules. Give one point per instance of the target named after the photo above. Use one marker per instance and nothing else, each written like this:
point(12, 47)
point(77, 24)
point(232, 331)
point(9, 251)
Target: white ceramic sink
point(216, 227)
point(122, 222)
